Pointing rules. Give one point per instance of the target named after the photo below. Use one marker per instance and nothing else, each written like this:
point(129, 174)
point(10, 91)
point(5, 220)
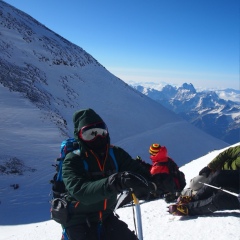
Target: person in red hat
point(158, 154)
point(165, 171)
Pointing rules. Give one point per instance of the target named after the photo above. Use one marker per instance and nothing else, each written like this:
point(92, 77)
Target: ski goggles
point(90, 132)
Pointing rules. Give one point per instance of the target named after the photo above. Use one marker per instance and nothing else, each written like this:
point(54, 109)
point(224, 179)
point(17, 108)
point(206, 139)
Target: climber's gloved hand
point(118, 182)
point(205, 171)
point(170, 197)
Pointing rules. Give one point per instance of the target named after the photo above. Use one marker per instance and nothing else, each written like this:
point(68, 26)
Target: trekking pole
point(219, 188)
point(138, 216)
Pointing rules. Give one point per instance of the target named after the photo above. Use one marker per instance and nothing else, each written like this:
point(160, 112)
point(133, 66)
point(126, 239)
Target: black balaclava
point(99, 144)
point(84, 118)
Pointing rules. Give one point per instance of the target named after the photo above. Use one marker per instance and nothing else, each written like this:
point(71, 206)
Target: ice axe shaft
point(137, 212)
point(138, 215)
point(234, 194)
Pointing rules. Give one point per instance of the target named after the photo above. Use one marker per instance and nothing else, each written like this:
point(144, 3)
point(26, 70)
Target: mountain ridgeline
point(204, 109)
point(49, 78)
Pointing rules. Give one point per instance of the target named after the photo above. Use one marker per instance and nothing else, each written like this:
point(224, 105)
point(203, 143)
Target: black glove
point(170, 197)
point(119, 182)
point(138, 158)
point(205, 171)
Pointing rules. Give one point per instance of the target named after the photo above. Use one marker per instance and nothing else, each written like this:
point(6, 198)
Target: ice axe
point(136, 213)
point(138, 216)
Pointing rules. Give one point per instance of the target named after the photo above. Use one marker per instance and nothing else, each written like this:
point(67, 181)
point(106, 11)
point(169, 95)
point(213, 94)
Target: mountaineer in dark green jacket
point(226, 160)
point(229, 159)
point(224, 172)
point(210, 199)
point(94, 177)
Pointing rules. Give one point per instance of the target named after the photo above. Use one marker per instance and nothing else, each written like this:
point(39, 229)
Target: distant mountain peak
point(188, 86)
point(204, 109)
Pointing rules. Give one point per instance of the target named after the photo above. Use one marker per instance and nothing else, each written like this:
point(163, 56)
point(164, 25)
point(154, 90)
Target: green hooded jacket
point(227, 160)
point(88, 193)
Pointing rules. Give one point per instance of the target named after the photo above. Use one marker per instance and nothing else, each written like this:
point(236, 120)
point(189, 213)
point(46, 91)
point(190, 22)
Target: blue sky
point(170, 41)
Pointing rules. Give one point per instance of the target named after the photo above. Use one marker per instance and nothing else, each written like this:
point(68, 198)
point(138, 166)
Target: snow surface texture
point(157, 222)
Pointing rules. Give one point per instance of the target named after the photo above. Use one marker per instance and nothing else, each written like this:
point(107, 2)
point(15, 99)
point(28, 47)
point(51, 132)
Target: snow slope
point(58, 78)
point(157, 222)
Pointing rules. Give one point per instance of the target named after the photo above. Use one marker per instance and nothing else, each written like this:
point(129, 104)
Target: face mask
point(99, 144)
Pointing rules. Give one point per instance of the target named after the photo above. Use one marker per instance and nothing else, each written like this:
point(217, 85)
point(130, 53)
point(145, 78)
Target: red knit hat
point(154, 149)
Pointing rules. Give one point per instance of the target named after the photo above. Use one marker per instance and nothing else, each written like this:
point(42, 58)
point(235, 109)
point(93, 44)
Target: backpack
point(178, 176)
point(61, 209)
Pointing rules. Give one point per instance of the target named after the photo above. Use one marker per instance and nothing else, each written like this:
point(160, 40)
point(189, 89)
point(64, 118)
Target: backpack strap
point(162, 163)
point(59, 172)
point(172, 166)
point(77, 152)
point(113, 163)
point(113, 158)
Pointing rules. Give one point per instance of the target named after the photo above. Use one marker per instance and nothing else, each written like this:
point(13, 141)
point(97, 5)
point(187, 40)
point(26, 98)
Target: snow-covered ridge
point(204, 109)
point(226, 94)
